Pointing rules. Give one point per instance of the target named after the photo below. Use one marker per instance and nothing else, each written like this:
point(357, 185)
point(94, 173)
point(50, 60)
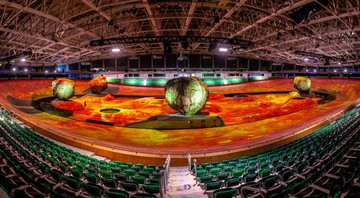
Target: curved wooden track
point(152, 146)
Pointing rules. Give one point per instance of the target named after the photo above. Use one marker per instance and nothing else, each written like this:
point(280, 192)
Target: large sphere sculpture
point(186, 95)
point(98, 84)
point(302, 84)
point(63, 88)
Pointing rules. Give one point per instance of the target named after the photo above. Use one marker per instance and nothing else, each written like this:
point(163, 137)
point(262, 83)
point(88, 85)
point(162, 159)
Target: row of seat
point(28, 169)
point(288, 164)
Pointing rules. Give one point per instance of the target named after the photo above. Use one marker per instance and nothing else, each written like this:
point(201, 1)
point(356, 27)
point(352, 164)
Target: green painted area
point(213, 81)
point(209, 74)
point(134, 81)
point(235, 80)
point(113, 80)
point(254, 78)
point(159, 75)
point(156, 82)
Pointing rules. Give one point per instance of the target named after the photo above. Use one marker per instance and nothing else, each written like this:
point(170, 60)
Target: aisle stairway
point(182, 184)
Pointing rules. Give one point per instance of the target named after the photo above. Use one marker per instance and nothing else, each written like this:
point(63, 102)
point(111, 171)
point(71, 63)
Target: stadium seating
point(34, 166)
point(322, 164)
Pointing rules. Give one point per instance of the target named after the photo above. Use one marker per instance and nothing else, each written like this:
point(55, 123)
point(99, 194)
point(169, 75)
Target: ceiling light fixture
point(23, 60)
point(115, 50)
point(223, 49)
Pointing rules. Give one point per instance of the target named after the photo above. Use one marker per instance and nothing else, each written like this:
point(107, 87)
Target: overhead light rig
point(16, 56)
point(313, 55)
point(172, 39)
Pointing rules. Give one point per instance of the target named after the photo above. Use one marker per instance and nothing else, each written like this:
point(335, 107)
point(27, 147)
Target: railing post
point(195, 167)
point(189, 162)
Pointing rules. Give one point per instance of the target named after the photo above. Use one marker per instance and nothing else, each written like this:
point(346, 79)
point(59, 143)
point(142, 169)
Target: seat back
point(114, 193)
point(152, 188)
point(129, 186)
point(93, 189)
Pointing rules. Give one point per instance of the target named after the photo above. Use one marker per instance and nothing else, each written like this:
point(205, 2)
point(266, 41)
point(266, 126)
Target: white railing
point(165, 176)
point(189, 162)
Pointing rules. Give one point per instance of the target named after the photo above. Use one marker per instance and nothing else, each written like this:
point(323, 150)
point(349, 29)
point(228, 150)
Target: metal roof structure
point(61, 30)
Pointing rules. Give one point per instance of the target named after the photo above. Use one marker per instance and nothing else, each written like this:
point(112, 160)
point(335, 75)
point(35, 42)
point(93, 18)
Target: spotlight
point(306, 59)
point(339, 63)
point(25, 70)
point(111, 22)
point(345, 70)
point(212, 46)
point(115, 50)
point(327, 62)
point(184, 44)
point(167, 48)
point(223, 49)
point(23, 60)
point(46, 71)
point(216, 19)
point(14, 69)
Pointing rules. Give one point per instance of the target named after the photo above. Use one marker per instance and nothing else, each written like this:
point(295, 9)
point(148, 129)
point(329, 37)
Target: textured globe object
point(63, 88)
point(186, 95)
point(302, 84)
point(98, 84)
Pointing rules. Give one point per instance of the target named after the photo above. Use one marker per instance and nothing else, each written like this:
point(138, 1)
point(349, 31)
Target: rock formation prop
point(302, 84)
point(98, 84)
point(63, 88)
point(186, 95)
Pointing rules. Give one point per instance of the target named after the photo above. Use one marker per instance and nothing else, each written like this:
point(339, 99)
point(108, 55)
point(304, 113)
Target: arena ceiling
point(61, 30)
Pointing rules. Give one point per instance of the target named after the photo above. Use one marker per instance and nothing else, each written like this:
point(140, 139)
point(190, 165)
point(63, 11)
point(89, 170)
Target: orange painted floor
point(250, 121)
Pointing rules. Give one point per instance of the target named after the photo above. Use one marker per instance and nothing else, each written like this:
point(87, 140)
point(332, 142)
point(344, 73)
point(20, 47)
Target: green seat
point(207, 168)
point(106, 173)
point(234, 181)
point(150, 170)
point(203, 165)
point(93, 169)
point(104, 167)
point(213, 185)
point(116, 169)
point(139, 179)
point(200, 173)
point(237, 172)
point(249, 177)
point(93, 189)
point(76, 172)
point(113, 164)
point(80, 165)
point(143, 195)
point(124, 166)
point(228, 169)
point(56, 175)
point(129, 186)
point(205, 178)
point(70, 161)
point(73, 182)
point(222, 176)
point(265, 172)
point(221, 166)
point(224, 193)
point(130, 172)
point(114, 193)
point(136, 168)
point(110, 182)
point(214, 171)
point(121, 177)
point(141, 166)
point(151, 188)
point(92, 177)
point(145, 174)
